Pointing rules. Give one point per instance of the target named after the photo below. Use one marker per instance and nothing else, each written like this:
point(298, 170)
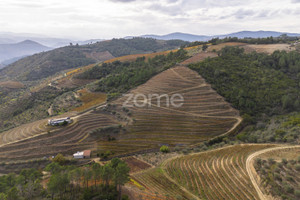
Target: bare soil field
point(100, 56)
point(268, 48)
point(218, 47)
point(260, 48)
point(199, 57)
point(136, 165)
point(12, 84)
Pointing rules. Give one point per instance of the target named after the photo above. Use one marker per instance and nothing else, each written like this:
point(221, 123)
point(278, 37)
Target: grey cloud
point(243, 13)
point(295, 1)
point(172, 10)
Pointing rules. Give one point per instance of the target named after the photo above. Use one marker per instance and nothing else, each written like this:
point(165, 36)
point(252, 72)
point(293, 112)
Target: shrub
point(60, 159)
point(164, 149)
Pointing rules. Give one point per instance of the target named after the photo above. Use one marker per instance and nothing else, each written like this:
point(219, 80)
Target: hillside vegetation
point(255, 83)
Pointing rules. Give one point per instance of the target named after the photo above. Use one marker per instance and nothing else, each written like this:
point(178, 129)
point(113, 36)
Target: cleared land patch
point(89, 99)
point(135, 56)
point(268, 48)
point(12, 84)
point(260, 48)
point(199, 57)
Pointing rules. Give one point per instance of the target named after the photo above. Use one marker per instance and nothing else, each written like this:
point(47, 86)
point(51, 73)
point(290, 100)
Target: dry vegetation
point(199, 57)
point(260, 48)
point(135, 56)
point(268, 48)
point(12, 84)
point(136, 165)
point(218, 47)
point(89, 99)
point(100, 56)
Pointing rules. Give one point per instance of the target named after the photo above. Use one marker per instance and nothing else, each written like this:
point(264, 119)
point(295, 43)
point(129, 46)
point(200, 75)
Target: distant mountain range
point(192, 38)
point(10, 53)
point(14, 46)
point(9, 38)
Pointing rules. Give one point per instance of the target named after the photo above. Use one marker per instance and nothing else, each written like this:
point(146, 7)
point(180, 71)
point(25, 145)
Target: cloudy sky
point(105, 19)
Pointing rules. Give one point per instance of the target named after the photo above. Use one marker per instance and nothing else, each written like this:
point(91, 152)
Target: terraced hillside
point(203, 115)
point(155, 182)
point(216, 174)
point(28, 130)
point(67, 140)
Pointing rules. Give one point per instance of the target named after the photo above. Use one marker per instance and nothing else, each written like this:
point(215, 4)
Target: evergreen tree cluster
point(255, 83)
point(67, 182)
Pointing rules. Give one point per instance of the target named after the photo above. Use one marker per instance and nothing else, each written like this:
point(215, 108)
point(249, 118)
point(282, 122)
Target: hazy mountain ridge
point(9, 38)
point(17, 50)
point(241, 34)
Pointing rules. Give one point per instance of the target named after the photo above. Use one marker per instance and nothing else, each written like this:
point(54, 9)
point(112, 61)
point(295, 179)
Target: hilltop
point(18, 50)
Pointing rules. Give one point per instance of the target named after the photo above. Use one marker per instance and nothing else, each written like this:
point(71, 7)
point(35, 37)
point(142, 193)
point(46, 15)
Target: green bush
point(164, 149)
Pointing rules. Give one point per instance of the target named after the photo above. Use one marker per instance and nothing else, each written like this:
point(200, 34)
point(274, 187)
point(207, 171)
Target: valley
point(210, 135)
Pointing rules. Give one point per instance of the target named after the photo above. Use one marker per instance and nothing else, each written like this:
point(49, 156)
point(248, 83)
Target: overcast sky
point(86, 19)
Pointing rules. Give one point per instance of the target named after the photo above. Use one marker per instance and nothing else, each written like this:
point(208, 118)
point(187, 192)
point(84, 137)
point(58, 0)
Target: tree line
point(267, 40)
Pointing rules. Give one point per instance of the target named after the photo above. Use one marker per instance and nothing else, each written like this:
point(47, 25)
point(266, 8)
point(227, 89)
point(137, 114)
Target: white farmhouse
point(82, 154)
point(78, 155)
point(56, 122)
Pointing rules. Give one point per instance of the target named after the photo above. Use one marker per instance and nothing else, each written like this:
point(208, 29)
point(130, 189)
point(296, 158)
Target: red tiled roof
point(87, 153)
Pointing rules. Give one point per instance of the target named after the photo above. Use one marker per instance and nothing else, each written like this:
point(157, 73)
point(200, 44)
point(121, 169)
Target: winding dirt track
point(251, 171)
